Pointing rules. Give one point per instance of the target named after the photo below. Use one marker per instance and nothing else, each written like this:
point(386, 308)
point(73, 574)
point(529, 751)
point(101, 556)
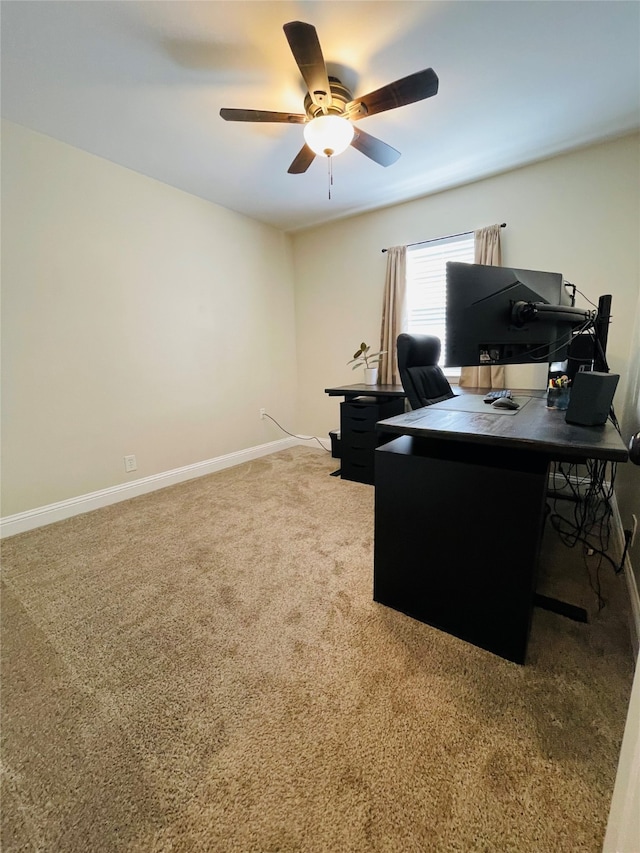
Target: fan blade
point(374, 149)
point(303, 160)
point(306, 50)
point(261, 115)
point(408, 90)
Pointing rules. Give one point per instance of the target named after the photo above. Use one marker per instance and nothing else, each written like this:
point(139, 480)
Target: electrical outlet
point(130, 464)
point(263, 412)
point(633, 530)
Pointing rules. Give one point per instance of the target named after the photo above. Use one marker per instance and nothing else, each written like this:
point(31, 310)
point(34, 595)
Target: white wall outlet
point(263, 412)
point(130, 464)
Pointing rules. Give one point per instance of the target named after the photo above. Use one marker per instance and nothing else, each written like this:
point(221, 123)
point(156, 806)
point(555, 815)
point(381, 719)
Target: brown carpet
point(204, 669)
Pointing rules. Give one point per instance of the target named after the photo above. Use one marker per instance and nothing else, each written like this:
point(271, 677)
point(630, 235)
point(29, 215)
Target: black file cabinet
point(358, 436)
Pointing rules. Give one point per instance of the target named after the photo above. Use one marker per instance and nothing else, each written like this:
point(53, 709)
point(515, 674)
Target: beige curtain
point(487, 251)
point(394, 311)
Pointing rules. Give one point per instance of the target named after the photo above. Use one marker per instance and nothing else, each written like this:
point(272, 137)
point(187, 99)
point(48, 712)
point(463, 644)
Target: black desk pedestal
point(358, 436)
point(363, 407)
point(458, 533)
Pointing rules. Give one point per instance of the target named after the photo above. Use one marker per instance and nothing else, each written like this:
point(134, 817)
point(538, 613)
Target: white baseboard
point(29, 520)
point(622, 834)
point(632, 587)
point(313, 441)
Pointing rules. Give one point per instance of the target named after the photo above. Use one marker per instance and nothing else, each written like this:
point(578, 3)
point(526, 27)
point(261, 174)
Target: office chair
point(421, 378)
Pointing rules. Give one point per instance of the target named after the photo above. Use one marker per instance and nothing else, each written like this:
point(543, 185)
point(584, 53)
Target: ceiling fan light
point(328, 135)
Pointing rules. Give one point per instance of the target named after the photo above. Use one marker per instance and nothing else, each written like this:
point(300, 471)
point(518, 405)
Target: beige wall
point(136, 319)
point(577, 214)
point(139, 319)
point(628, 479)
point(623, 832)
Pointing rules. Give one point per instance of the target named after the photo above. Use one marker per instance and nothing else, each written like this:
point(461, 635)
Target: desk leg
point(562, 608)
point(458, 529)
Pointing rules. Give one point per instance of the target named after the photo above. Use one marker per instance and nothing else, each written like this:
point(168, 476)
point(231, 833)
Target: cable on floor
point(293, 435)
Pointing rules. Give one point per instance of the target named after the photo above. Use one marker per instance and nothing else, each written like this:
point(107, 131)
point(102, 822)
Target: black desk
point(363, 407)
point(460, 508)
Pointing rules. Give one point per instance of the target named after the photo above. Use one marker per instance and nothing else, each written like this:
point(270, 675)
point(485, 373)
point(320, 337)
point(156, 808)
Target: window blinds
point(426, 282)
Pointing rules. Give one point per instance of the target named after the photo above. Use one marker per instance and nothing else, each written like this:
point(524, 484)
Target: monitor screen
point(482, 327)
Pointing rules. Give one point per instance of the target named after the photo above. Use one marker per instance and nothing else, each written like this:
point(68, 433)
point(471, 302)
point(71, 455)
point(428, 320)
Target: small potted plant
point(370, 362)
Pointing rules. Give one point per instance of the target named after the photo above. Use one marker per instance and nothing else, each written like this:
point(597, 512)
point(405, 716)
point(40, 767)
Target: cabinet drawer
point(358, 471)
point(357, 416)
point(370, 410)
point(361, 455)
point(358, 437)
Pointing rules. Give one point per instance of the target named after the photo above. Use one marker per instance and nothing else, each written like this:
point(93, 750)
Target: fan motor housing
point(340, 97)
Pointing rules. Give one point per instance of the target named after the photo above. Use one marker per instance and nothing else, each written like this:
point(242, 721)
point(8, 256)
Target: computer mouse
point(505, 403)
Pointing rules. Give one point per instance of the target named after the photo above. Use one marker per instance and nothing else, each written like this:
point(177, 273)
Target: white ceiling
point(141, 83)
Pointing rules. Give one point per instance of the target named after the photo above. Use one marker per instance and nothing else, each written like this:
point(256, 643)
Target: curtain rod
point(434, 239)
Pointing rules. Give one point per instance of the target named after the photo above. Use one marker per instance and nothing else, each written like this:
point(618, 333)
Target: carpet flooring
point(204, 669)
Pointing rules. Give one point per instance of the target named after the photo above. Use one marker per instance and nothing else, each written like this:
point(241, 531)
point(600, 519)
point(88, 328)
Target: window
point(426, 285)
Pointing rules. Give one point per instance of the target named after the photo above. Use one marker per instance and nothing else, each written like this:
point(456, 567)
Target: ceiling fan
point(330, 108)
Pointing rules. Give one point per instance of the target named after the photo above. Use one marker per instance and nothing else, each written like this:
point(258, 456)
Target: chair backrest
point(422, 379)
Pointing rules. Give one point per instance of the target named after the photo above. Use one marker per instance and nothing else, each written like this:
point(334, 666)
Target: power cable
point(293, 435)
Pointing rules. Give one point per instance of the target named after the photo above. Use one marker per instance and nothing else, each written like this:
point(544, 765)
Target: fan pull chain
point(329, 153)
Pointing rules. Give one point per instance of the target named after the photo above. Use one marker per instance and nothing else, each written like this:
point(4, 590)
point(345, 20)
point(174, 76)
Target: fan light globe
point(328, 135)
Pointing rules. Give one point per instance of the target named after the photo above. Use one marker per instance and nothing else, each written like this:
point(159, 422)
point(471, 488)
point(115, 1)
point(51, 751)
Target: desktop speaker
point(591, 397)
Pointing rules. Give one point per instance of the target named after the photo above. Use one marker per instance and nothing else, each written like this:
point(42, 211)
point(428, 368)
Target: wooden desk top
point(366, 391)
point(533, 427)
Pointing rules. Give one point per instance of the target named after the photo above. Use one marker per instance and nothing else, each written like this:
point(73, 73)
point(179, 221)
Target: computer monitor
point(503, 315)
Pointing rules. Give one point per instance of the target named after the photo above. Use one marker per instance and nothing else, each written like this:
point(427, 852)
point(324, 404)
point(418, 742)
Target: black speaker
point(591, 397)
